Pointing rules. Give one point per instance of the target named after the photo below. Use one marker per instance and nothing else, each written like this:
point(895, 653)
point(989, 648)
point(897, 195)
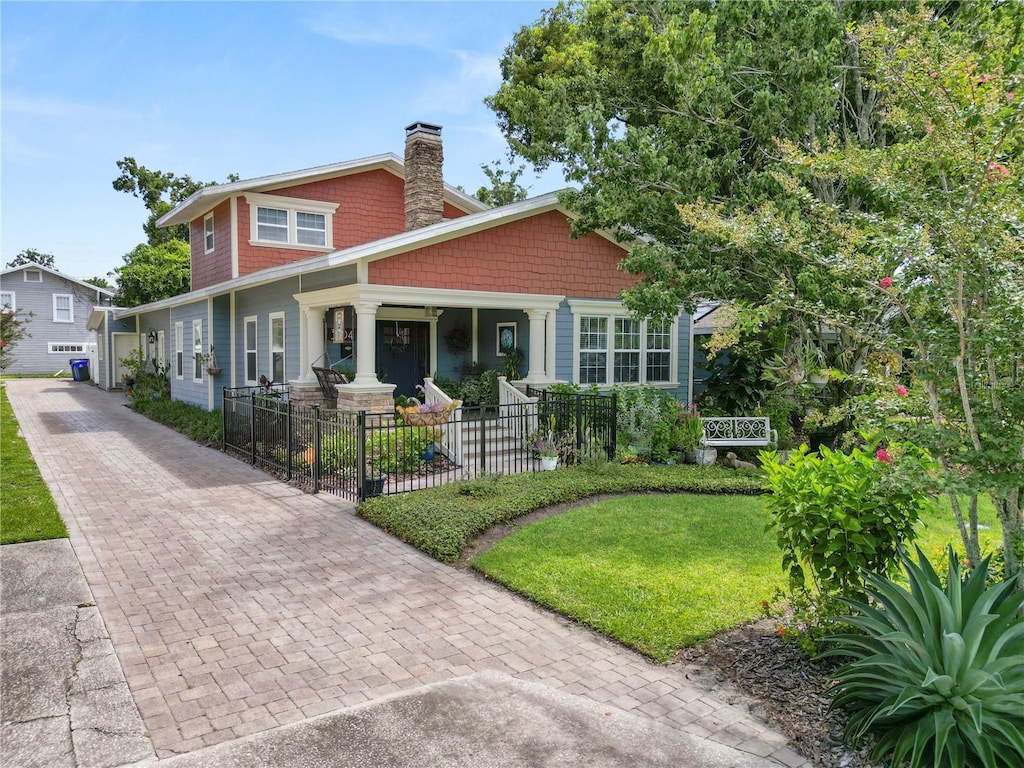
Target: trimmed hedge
point(441, 521)
point(204, 427)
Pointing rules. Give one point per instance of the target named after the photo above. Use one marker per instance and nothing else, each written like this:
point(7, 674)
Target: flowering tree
point(925, 238)
point(12, 330)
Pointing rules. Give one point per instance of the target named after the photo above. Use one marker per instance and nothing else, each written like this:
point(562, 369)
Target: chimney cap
point(423, 127)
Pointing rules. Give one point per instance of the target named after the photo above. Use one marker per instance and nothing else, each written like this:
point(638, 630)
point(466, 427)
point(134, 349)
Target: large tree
point(153, 272)
point(774, 157)
point(159, 191)
point(32, 256)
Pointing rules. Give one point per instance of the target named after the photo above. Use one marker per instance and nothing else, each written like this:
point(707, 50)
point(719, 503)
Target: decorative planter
point(548, 463)
point(705, 457)
point(429, 419)
point(214, 371)
point(428, 453)
point(373, 486)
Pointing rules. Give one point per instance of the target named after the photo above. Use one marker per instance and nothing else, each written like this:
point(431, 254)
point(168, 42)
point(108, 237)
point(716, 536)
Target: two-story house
point(380, 265)
point(55, 308)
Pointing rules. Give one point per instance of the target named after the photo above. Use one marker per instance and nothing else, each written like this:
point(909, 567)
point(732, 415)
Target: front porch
point(391, 338)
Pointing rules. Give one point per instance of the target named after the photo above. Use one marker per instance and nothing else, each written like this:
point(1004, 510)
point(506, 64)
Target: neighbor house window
point(197, 350)
point(33, 276)
point(179, 350)
point(289, 221)
point(613, 347)
point(251, 369)
point(7, 302)
point(277, 347)
point(208, 232)
point(63, 309)
point(53, 348)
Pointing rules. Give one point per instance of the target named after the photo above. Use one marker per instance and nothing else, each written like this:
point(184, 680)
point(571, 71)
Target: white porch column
point(550, 368)
point(311, 342)
point(538, 342)
point(366, 342)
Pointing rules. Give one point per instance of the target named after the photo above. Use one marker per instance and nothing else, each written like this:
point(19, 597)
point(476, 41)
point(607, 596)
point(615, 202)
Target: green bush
point(937, 674)
point(840, 515)
point(441, 521)
point(204, 427)
point(645, 417)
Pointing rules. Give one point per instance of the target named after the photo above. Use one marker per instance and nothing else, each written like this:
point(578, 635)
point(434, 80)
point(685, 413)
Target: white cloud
point(461, 90)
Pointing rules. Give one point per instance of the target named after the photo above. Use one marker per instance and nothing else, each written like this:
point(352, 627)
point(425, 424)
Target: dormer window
point(290, 222)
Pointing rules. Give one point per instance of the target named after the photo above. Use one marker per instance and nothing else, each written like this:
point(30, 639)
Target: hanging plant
point(458, 339)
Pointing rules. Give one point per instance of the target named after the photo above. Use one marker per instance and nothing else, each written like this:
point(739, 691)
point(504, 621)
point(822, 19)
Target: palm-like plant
point(938, 674)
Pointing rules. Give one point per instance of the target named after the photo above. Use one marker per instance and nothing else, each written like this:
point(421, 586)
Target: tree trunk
point(1010, 517)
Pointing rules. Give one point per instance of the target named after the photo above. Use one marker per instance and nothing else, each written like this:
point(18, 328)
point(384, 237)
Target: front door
point(125, 345)
point(402, 354)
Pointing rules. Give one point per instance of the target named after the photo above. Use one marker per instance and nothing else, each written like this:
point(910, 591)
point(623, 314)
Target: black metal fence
point(358, 455)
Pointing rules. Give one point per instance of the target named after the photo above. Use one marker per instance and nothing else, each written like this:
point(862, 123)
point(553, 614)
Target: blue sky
point(212, 88)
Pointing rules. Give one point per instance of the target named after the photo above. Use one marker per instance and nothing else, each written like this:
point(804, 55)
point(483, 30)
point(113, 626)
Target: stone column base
point(378, 398)
point(303, 393)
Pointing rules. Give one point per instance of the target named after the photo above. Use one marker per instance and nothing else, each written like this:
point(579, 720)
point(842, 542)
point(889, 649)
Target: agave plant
point(938, 675)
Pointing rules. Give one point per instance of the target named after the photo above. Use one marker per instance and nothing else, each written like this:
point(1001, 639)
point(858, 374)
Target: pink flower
point(901, 390)
point(883, 456)
point(985, 79)
point(1011, 96)
point(886, 282)
point(997, 171)
point(934, 74)
point(928, 129)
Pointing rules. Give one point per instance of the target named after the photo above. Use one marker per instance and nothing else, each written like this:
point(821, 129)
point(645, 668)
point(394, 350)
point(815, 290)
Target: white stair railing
point(525, 422)
point(450, 441)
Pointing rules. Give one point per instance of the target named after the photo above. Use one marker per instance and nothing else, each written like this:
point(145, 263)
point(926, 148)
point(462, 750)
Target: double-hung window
point(179, 350)
point(7, 304)
point(197, 350)
point(614, 347)
point(277, 347)
point(63, 308)
point(290, 222)
point(208, 240)
point(251, 360)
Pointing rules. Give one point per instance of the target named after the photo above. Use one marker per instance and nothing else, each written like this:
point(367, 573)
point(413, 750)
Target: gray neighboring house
point(61, 306)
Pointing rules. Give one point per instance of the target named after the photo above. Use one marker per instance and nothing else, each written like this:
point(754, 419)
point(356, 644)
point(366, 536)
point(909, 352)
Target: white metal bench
point(738, 431)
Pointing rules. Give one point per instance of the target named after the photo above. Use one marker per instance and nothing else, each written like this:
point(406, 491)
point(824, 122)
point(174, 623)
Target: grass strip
point(27, 509)
point(441, 521)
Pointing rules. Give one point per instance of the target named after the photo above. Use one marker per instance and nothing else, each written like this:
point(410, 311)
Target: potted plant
point(689, 431)
point(704, 455)
point(427, 414)
point(544, 445)
point(210, 359)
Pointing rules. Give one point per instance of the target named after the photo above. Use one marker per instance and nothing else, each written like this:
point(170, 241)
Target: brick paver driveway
point(236, 603)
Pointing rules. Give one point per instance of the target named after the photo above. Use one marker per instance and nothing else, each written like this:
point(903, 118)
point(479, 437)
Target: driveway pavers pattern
point(236, 603)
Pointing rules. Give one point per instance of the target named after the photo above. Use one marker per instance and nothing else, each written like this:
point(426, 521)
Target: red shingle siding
point(211, 268)
point(371, 206)
point(534, 255)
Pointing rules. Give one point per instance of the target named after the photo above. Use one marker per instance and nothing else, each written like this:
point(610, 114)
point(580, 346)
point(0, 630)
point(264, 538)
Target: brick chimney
point(424, 185)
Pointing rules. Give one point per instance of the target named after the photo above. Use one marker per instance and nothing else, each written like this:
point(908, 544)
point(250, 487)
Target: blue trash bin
point(80, 369)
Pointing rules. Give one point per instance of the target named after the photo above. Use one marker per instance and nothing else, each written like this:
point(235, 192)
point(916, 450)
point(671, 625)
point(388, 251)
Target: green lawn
point(27, 510)
point(655, 572)
point(659, 573)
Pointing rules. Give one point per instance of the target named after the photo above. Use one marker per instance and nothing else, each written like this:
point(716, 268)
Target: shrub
point(644, 420)
point(937, 674)
point(841, 514)
point(204, 427)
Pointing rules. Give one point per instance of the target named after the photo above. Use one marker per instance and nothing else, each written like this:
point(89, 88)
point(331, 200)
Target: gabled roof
point(59, 274)
point(207, 198)
point(449, 229)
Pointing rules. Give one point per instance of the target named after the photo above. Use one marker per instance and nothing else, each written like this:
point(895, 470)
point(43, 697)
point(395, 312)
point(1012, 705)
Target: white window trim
point(179, 350)
point(209, 238)
point(246, 348)
point(292, 205)
point(9, 307)
point(284, 345)
point(161, 355)
point(197, 350)
point(71, 307)
point(612, 309)
point(64, 347)
point(37, 272)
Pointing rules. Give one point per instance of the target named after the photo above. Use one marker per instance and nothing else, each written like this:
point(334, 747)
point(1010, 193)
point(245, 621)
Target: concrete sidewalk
point(248, 616)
